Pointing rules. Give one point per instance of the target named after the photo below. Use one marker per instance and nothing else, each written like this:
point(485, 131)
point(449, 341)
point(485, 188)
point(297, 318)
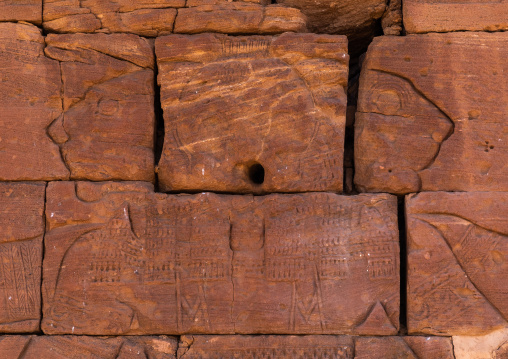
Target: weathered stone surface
point(107, 127)
point(160, 17)
point(493, 345)
point(21, 10)
point(404, 347)
point(252, 114)
point(266, 346)
point(120, 259)
point(358, 20)
point(30, 101)
point(455, 15)
point(64, 347)
point(457, 245)
point(21, 232)
point(431, 114)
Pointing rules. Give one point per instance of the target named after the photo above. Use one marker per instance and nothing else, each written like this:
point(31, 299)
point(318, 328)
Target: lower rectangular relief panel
point(457, 262)
point(121, 259)
point(71, 346)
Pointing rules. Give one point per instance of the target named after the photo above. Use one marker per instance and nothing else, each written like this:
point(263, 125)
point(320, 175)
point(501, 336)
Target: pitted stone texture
point(237, 106)
point(266, 346)
point(457, 250)
point(106, 131)
point(161, 17)
point(431, 114)
point(422, 16)
point(121, 259)
point(21, 233)
point(64, 347)
point(404, 347)
point(30, 102)
point(21, 10)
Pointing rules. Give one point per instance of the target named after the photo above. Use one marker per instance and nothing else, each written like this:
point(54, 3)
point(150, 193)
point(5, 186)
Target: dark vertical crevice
point(401, 213)
point(43, 252)
point(159, 123)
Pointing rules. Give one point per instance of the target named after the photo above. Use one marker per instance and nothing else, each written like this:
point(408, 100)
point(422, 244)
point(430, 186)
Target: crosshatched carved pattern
point(126, 261)
point(231, 103)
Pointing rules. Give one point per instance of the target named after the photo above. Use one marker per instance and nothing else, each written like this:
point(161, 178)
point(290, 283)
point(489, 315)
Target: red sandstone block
point(65, 347)
point(404, 347)
point(452, 15)
point(457, 264)
point(431, 114)
point(21, 10)
point(253, 114)
point(106, 130)
point(120, 259)
point(160, 17)
point(265, 346)
point(21, 233)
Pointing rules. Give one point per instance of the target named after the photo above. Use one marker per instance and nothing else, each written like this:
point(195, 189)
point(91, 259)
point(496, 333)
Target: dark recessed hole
point(390, 171)
point(257, 173)
point(491, 147)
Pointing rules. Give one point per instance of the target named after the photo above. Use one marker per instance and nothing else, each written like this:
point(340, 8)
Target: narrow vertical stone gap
point(43, 250)
point(401, 213)
point(159, 131)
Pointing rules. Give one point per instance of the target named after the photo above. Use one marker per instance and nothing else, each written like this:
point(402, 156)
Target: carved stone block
point(21, 232)
point(252, 114)
point(63, 347)
point(107, 127)
point(431, 114)
point(120, 259)
point(457, 259)
point(21, 10)
point(266, 346)
point(455, 15)
point(404, 347)
point(160, 17)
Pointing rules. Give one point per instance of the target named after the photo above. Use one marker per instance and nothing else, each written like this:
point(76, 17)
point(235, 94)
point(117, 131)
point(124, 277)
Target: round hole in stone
point(257, 173)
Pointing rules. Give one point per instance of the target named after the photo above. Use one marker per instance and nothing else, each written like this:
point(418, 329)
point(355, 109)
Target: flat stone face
point(120, 259)
point(457, 245)
point(404, 347)
point(266, 346)
point(160, 17)
point(21, 233)
point(21, 10)
point(431, 114)
point(252, 114)
point(451, 15)
point(107, 127)
point(30, 102)
point(63, 347)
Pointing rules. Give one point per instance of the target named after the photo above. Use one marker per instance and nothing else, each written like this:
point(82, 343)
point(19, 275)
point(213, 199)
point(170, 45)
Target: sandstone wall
point(253, 179)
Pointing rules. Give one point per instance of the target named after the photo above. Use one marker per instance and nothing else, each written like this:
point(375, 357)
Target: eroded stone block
point(252, 114)
point(120, 259)
point(21, 10)
point(63, 347)
point(106, 130)
point(21, 233)
point(265, 346)
point(403, 347)
point(160, 17)
point(451, 15)
point(457, 245)
point(431, 114)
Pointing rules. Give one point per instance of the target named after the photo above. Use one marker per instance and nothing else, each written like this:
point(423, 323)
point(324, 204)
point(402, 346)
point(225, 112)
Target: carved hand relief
point(154, 18)
point(425, 121)
point(457, 262)
point(130, 261)
point(20, 255)
point(253, 114)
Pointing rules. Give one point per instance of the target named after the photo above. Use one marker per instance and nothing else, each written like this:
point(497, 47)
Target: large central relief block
point(253, 114)
point(120, 259)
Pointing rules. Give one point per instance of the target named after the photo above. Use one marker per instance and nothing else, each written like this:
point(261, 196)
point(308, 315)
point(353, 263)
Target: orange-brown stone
point(410, 347)
point(120, 259)
point(21, 10)
point(252, 114)
point(21, 233)
point(431, 114)
point(457, 250)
